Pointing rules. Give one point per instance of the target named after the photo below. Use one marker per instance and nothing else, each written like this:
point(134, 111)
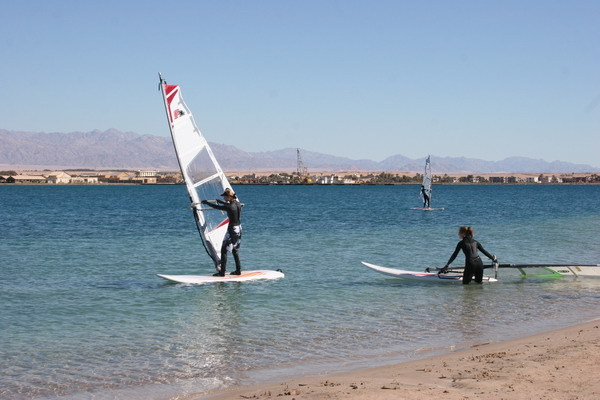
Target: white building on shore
point(57, 177)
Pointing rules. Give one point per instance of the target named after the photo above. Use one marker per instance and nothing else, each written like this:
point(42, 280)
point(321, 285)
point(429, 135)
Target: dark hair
point(466, 230)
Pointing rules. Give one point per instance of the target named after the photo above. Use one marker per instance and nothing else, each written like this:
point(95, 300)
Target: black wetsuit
point(233, 237)
point(425, 198)
point(233, 210)
point(473, 263)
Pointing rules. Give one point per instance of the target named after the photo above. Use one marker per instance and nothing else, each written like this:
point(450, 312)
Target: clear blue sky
point(360, 79)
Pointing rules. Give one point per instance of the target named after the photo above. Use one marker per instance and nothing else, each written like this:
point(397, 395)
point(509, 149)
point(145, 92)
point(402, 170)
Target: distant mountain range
point(113, 149)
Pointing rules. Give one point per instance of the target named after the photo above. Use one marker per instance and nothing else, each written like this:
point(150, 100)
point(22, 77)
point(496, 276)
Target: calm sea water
point(84, 316)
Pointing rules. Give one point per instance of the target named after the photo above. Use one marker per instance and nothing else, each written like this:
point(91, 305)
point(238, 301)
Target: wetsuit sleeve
point(217, 206)
point(454, 254)
point(481, 249)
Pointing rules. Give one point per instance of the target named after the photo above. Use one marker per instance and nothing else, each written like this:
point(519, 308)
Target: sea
point(84, 316)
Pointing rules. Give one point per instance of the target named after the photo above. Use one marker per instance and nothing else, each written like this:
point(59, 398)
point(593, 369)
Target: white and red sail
point(204, 178)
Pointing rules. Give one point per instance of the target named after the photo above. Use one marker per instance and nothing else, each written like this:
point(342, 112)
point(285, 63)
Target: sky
point(359, 79)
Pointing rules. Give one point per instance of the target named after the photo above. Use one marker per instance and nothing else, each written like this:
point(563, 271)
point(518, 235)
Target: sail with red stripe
point(203, 176)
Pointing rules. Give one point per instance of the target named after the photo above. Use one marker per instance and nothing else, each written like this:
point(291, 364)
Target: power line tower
point(301, 170)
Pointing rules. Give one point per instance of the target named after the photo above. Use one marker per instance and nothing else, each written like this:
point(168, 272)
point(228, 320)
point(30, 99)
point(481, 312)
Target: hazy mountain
point(96, 149)
point(115, 149)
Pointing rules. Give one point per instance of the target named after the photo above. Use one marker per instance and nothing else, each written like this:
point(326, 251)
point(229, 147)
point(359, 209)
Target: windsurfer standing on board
point(233, 237)
point(425, 197)
point(473, 263)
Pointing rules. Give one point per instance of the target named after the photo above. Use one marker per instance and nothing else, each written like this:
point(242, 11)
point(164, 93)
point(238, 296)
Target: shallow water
point(84, 314)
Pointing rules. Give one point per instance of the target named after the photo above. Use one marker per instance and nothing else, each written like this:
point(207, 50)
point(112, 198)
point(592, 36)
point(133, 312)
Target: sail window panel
point(212, 190)
point(201, 167)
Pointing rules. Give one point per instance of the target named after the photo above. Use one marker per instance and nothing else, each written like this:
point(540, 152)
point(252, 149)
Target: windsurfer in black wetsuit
point(233, 237)
point(425, 197)
point(473, 263)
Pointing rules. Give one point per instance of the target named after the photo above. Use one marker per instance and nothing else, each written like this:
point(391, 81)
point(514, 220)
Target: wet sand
point(562, 364)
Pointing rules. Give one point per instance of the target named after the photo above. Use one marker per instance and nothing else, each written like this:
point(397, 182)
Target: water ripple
point(84, 314)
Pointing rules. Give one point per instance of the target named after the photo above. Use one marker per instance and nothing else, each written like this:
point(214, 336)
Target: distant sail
point(203, 175)
point(427, 179)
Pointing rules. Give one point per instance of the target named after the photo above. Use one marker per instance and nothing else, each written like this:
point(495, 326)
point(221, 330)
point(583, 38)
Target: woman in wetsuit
point(425, 197)
point(473, 263)
point(233, 237)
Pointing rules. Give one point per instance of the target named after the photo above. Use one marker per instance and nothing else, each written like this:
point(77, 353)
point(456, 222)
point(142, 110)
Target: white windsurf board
point(245, 276)
point(420, 276)
point(427, 209)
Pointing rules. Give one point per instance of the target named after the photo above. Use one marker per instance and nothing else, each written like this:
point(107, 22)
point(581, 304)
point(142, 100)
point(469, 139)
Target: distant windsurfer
point(233, 237)
point(473, 263)
point(425, 196)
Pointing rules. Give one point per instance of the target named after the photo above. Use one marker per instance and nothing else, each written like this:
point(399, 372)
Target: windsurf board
point(420, 276)
point(245, 276)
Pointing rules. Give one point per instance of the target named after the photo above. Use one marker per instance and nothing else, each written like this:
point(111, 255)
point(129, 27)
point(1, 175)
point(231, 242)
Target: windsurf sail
point(427, 180)
point(203, 176)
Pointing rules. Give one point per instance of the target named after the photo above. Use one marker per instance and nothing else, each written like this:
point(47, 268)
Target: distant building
point(147, 174)
point(550, 179)
point(147, 180)
point(328, 180)
point(26, 179)
point(126, 176)
point(84, 179)
point(58, 177)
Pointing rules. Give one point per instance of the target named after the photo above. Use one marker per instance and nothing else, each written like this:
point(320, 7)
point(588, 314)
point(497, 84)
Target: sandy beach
point(561, 364)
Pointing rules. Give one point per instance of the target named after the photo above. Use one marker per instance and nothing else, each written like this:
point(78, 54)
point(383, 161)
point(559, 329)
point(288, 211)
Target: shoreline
point(304, 184)
point(553, 365)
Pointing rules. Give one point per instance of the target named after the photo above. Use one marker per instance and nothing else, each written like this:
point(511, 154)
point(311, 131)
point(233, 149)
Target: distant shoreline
point(346, 178)
point(310, 184)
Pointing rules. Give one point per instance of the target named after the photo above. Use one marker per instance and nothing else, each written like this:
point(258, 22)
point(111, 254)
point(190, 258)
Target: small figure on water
point(473, 263)
point(425, 197)
point(233, 237)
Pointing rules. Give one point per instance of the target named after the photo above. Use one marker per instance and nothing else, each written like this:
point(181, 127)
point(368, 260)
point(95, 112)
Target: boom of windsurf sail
point(542, 270)
point(427, 179)
point(583, 270)
point(203, 176)
point(546, 265)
